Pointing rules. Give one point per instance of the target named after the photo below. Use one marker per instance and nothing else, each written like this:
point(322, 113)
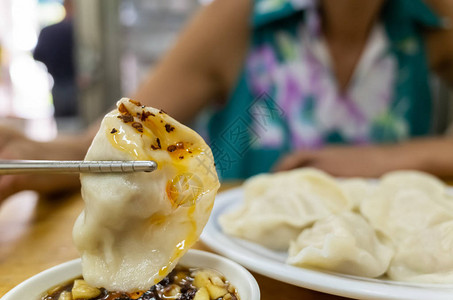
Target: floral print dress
point(287, 98)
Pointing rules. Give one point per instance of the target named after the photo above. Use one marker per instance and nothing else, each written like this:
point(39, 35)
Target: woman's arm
point(204, 63)
point(432, 155)
point(202, 66)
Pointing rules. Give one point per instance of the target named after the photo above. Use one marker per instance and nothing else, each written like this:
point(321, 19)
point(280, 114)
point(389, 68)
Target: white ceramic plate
point(272, 264)
point(34, 287)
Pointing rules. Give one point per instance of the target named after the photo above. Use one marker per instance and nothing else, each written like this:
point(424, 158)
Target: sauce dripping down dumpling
point(136, 226)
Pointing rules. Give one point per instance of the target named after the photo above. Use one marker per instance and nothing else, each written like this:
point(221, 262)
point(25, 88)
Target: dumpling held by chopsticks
point(136, 226)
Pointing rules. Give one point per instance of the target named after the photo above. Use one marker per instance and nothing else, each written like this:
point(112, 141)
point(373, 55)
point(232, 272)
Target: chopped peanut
point(201, 279)
point(82, 290)
point(216, 280)
point(202, 294)
point(227, 297)
point(65, 296)
point(174, 290)
point(216, 291)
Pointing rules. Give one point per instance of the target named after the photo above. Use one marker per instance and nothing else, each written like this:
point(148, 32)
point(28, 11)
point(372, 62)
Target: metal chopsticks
point(57, 166)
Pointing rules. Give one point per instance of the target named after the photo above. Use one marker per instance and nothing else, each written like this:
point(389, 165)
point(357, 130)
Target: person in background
point(55, 48)
point(340, 85)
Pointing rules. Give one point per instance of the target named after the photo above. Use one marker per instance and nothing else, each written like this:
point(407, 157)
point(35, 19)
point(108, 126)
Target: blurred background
point(115, 43)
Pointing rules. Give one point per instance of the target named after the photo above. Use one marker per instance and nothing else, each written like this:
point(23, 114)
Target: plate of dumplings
point(387, 238)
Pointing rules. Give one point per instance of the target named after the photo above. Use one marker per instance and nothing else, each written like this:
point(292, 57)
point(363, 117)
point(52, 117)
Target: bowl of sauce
point(200, 275)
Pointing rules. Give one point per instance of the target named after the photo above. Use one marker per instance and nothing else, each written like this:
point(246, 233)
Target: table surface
point(36, 234)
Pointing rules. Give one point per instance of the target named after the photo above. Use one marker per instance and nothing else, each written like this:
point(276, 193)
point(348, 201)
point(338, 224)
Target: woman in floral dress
point(341, 85)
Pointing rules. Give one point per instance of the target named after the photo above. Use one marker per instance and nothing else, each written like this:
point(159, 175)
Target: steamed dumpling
point(425, 256)
point(406, 202)
point(343, 243)
point(136, 226)
point(278, 206)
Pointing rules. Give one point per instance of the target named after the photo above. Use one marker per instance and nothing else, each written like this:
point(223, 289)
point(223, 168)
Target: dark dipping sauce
point(181, 284)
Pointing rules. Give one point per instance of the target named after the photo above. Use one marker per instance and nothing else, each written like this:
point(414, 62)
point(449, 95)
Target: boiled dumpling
point(343, 243)
point(357, 190)
point(277, 207)
point(425, 256)
point(136, 226)
point(406, 202)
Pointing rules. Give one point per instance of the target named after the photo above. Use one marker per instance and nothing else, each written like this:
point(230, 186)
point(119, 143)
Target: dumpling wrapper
point(358, 190)
point(406, 202)
point(343, 243)
point(425, 257)
point(136, 226)
point(278, 206)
